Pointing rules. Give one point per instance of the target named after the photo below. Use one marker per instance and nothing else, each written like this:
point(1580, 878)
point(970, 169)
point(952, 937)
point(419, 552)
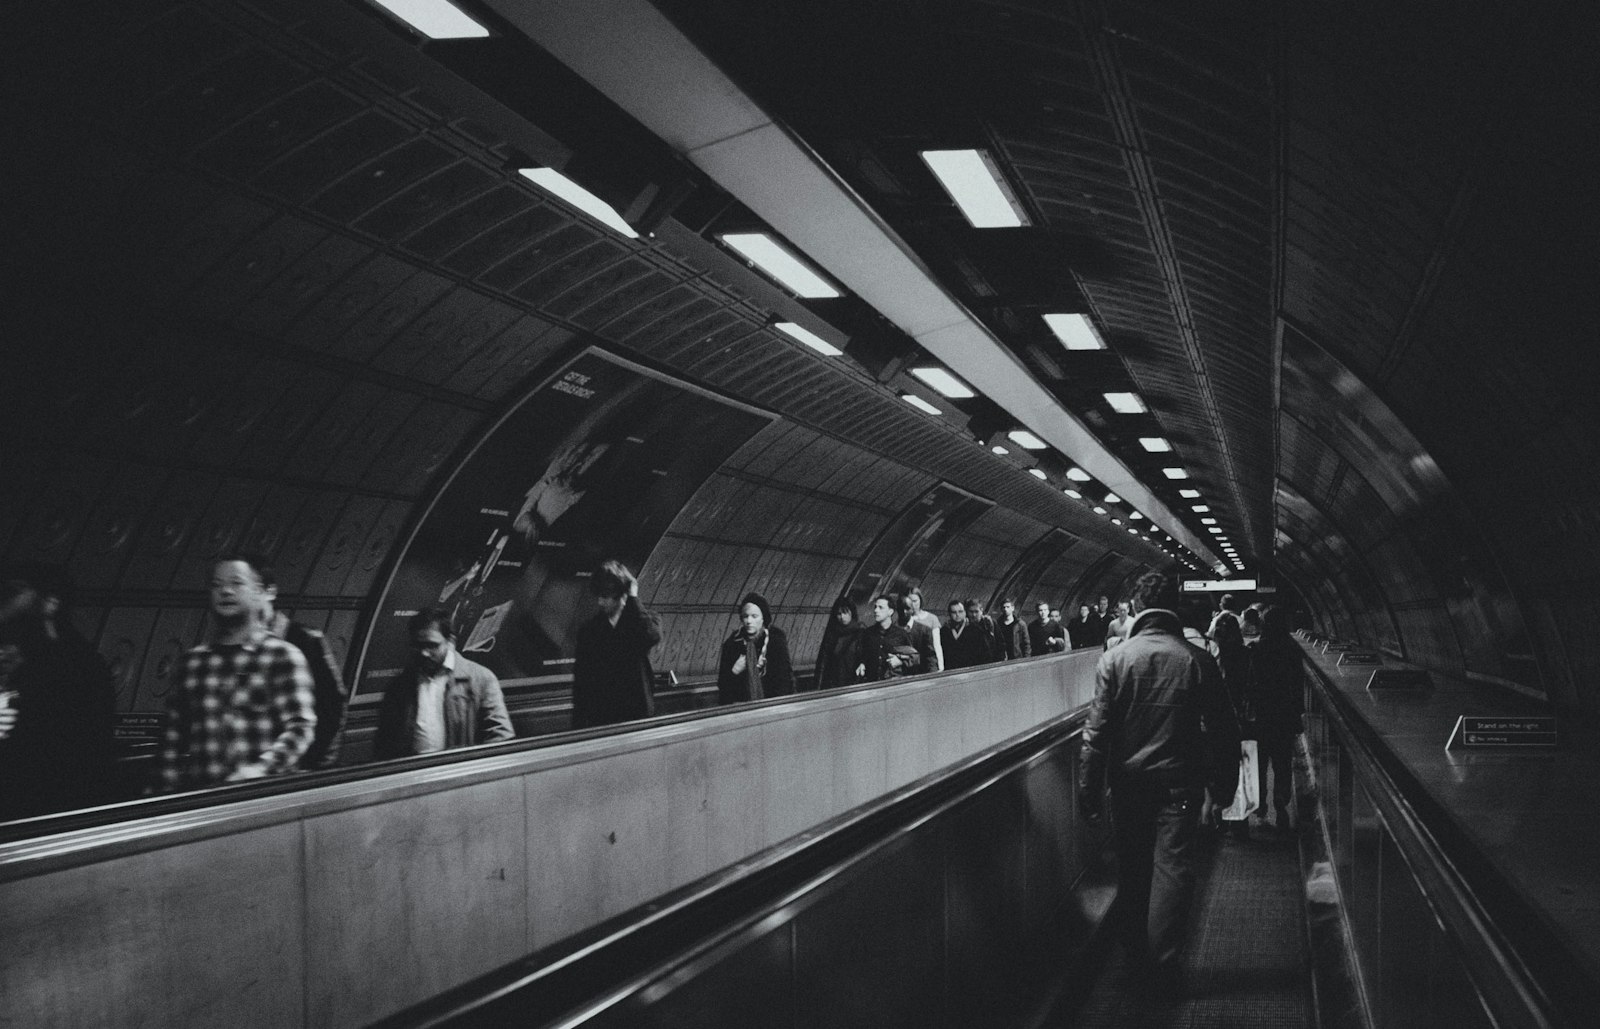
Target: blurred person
point(931, 620)
point(1045, 635)
point(1079, 629)
point(442, 700)
point(1011, 635)
point(1117, 628)
point(926, 640)
point(1099, 620)
point(612, 680)
point(1227, 607)
point(57, 700)
point(886, 648)
point(964, 643)
point(1233, 660)
point(840, 651)
point(986, 633)
point(243, 705)
point(1160, 731)
point(1277, 688)
point(754, 663)
point(1250, 623)
point(327, 682)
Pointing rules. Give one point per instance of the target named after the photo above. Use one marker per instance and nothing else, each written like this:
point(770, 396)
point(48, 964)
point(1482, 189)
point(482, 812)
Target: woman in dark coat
point(754, 663)
point(840, 652)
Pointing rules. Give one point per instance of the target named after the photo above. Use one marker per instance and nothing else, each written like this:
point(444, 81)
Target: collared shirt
point(237, 704)
point(430, 734)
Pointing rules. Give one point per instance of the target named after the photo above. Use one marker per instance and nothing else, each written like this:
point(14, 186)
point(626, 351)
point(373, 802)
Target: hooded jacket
point(1160, 715)
point(769, 650)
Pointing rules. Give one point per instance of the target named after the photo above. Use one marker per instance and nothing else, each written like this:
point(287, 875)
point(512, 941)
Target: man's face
point(236, 591)
point(609, 606)
point(974, 612)
point(1055, 614)
point(1105, 602)
point(432, 647)
point(1044, 612)
point(1008, 609)
point(882, 613)
point(908, 611)
point(958, 614)
point(1083, 612)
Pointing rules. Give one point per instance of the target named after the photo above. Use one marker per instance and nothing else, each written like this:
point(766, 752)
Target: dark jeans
point(1157, 850)
point(1276, 749)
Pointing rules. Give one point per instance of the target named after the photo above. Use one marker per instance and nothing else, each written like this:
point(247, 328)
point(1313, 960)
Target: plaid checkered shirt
point(234, 705)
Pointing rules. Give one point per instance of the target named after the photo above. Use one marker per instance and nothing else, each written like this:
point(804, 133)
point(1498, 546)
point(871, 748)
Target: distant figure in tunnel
point(1079, 628)
point(57, 700)
point(840, 651)
point(612, 679)
point(1045, 635)
point(754, 663)
point(965, 645)
point(985, 627)
point(442, 700)
point(926, 640)
point(886, 648)
point(931, 621)
point(1117, 628)
point(243, 704)
point(1278, 702)
point(1011, 633)
point(327, 682)
point(1159, 713)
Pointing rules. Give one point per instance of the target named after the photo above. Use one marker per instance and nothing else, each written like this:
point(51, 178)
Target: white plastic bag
point(1248, 796)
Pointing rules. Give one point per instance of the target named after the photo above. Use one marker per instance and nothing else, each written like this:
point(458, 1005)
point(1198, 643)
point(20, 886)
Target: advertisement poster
point(592, 465)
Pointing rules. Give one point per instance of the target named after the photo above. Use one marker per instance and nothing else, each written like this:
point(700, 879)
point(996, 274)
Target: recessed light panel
point(918, 403)
point(435, 19)
point(1111, 498)
point(1188, 494)
point(558, 185)
point(1075, 331)
point(974, 182)
point(809, 338)
point(1074, 494)
point(1155, 444)
point(998, 449)
point(1175, 473)
point(1125, 403)
point(941, 380)
point(1201, 508)
point(1025, 439)
point(1077, 474)
point(1036, 473)
point(773, 258)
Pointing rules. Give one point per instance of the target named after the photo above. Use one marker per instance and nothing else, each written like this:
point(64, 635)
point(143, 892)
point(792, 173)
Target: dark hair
point(846, 604)
point(257, 563)
point(1228, 602)
point(761, 605)
point(611, 579)
point(1252, 615)
point(1156, 589)
point(972, 602)
point(915, 591)
point(1274, 623)
point(1226, 633)
point(962, 604)
point(432, 618)
point(891, 599)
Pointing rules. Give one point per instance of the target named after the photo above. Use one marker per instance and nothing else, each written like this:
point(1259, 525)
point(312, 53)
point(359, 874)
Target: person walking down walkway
point(886, 648)
point(1159, 713)
point(1277, 691)
point(839, 653)
point(612, 678)
point(754, 663)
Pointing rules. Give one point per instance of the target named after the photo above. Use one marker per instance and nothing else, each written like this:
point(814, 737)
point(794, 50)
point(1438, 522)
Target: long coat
point(612, 678)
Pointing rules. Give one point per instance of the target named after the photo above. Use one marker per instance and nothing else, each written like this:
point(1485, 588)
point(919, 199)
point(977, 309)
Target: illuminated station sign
point(1218, 585)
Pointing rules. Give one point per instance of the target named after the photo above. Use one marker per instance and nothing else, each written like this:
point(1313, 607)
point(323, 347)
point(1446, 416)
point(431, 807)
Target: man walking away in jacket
point(442, 700)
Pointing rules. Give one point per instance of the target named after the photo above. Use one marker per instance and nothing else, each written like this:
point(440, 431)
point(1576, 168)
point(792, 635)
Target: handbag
point(1247, 797)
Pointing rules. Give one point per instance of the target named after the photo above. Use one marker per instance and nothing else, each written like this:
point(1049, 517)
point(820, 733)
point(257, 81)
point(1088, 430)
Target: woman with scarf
point(841, 647)
point(755, 659)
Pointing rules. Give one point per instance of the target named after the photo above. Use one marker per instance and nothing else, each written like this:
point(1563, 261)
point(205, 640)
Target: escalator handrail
point(582, 976)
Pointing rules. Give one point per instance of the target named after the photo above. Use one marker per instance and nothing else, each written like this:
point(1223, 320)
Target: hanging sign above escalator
point(1219, 585)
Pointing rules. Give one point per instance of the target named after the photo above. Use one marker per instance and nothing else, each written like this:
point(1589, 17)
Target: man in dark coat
point(327, 682)
point(1160, 730)
point(1045, 635)
point(963, 641)
point(1011, 633)
point(886, 648)
point(612, 679)
point(1079, 629)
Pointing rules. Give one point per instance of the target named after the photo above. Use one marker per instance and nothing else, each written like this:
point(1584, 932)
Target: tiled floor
point(1246, 966)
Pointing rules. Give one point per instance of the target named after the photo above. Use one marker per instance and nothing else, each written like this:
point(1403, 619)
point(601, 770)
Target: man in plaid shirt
point(243, 706)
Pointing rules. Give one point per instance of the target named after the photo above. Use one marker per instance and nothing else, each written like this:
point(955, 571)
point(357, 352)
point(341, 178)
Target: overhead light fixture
point(1133, 531)
point(1187, 494)
point(563, 188)
point(918, 403)
point(1025, 439)
point(1037, 473)
point(998, 449)
point(1125, 403)
point(1074, 494)
point(1213, 528)
point(435, 19)
point(1116, 521)
point(1099, 510)
point(1135, 516)
point(1208, 521)
point(1155, 444)
point(1077, 474)
point(776, 260)
point(944, 382)
point(1075, 331)
point(1201, 508)
point(809, 338)
point(974, 182)
point(1111, 498)
point(1175, 473)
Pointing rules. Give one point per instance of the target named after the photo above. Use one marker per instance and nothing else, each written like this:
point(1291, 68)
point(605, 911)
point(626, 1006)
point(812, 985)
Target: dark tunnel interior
point(276, 283)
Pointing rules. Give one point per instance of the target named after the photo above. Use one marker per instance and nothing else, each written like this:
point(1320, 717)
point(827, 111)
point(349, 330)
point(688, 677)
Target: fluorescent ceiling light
point(1208, 521)
point(558, 185)
point(974, 182)
point(1077, 474)
point(1074, 494)
point(771, 257)
point(1025, 439)
point(1189, 494)
point(1116, 521)
point(918, 403)
point(998, 449)
point(1133, 531)
point(435, 19)
point(944, 382)
point(1099, 510)
point(1111, 498)
point(1175, 473)
point(1075, 331)
point(1201, 508)
point(809, 338)
point(1155, 444)
point(1213, 528)
point(1135, 516)
point(1036, 473)
point(1125, 403)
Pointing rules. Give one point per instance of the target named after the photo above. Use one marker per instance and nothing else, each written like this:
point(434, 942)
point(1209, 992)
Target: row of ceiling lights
point(977, 187)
